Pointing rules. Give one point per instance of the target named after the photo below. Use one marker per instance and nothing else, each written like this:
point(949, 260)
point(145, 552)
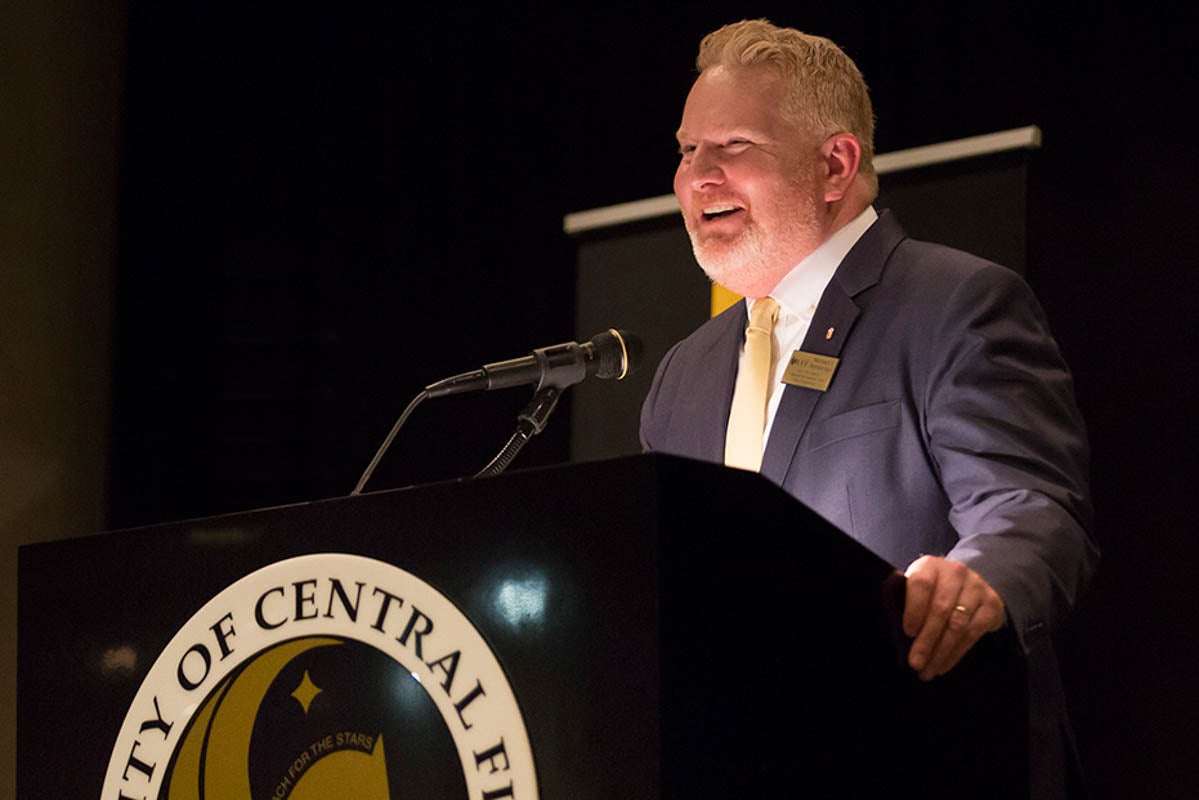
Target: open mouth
point(719, 211)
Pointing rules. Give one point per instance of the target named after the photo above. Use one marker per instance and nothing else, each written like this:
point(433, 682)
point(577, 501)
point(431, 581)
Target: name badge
point(810, 370)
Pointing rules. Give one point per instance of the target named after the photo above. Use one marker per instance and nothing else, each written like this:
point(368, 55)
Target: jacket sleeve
point(655, 411)
point(1011, 450)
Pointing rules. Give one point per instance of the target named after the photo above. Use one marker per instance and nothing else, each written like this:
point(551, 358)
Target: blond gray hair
point(826, 93)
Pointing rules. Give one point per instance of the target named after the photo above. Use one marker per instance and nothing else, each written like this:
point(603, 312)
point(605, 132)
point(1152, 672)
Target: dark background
point(322, 208)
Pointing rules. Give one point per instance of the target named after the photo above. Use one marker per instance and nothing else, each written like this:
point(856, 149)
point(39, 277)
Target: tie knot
point(764, 313)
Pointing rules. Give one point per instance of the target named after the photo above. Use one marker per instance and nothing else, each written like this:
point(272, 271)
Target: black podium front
point(667, 628)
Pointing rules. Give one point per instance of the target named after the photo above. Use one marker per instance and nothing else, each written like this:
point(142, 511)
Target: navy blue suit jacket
point(949, 428)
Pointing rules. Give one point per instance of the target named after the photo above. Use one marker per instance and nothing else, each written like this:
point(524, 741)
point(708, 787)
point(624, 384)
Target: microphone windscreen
point(617, 353)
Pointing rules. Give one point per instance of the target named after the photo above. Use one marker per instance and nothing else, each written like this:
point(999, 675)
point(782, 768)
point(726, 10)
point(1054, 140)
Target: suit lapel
point(715, 379)
point(837, 312)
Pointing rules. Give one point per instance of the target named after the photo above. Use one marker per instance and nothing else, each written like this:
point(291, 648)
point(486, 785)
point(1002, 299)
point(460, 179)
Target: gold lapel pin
point(829, 333)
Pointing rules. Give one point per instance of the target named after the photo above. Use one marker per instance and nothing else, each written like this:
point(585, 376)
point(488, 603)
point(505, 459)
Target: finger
point(948, 579)
point(948, 655)
point(918, 593)
point(963, 627)
point(979, 611)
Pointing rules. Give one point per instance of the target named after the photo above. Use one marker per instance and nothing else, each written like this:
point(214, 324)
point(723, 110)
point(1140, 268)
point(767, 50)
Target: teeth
point(719, 210)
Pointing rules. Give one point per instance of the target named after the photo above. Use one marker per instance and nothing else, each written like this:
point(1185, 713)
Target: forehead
point(727, 99)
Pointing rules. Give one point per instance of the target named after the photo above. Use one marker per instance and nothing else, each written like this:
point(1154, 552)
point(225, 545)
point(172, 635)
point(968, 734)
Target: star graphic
point(306, 691)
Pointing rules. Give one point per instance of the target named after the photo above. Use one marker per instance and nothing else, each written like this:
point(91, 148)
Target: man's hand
point(948, 607)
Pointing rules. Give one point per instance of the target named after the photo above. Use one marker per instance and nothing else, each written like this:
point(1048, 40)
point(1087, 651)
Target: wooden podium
point(668, 629)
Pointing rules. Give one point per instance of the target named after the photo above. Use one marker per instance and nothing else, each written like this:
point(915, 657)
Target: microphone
point(611, 354)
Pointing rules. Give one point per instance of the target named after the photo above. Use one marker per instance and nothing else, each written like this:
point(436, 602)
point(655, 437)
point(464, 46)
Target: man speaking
point(909, 393)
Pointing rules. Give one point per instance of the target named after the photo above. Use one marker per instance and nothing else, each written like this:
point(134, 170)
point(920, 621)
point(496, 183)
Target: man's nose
point(706, 168)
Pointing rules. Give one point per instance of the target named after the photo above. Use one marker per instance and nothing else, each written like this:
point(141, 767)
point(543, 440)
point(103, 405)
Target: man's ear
point(842, 155)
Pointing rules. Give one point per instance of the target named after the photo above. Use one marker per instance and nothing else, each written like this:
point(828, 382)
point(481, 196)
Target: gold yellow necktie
point(747, 417)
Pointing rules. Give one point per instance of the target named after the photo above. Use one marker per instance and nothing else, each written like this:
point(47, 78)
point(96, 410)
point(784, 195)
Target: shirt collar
point(801, 289)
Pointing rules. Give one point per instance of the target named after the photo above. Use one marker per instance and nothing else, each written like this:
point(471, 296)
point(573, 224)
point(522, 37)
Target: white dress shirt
point(798, 294)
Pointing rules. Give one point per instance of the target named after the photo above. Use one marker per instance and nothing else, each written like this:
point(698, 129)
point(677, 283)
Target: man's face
point(748, 180)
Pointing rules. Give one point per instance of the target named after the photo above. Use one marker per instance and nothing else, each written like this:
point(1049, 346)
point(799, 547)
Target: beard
point(755, 260)
point(782, 229)
point(735, 264)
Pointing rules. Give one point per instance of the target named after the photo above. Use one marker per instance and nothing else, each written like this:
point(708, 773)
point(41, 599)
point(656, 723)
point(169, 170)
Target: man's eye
point(686, 149)
point(737, 144)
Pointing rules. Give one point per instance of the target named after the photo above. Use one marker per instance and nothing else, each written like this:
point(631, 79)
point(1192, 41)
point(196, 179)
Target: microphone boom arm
point(530, 422)
point(611, 354)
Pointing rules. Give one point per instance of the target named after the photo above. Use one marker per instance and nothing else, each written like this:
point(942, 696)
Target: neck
point(839, 213)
